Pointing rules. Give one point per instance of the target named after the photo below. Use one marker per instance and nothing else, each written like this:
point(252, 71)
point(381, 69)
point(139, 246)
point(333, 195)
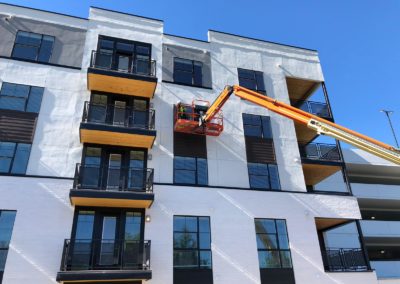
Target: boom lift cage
point(187, 119)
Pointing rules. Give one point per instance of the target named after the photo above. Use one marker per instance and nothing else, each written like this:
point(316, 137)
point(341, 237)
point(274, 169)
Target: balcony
point(319, 161)
point(90, 260)
point(122, 75)
point(117, 125)
point(344, 260)
point(112, 187)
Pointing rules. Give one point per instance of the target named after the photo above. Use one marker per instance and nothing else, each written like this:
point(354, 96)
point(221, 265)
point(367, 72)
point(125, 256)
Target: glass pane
point(183, 77)
point(265, 226)
point(258, 169)
point(7, 219)
point(274, 177)
point(204, 224)
point(252, 130)
point(266, 123)
point(3, 257)
point(251, 119)
point(250, 84)
point(259, 182)
point(204, 241)
point(46, 49)
point(205, 259)
point(269, 259)
point(247, 74)
point(21, 159)
point(185, 240)
point(136, 178)
point(184, 176)
point(286, 259)
point(81, 254)
point(185, 224)
point(12, 103)
point(99, 99)
point(28, 38)
point(84, 225)
point(119, 113)
point(283, 242)
point(35, 99)
point(133, 226)
point(123, 62)
point(103, 60)
point(136, 159)
point(106, 44)
point(260, 81)
point(267, 241)
point(5, 164)
point(187, 259)
point(198, 73)
point(125, 47)
point(15, 90)
point(202, 171)
point(25, 52)
point(92, 156)
point(185, 163)
point(114, 171)
point(143, 49)
point(142, 65)
point(7, 149)
point(183, 65)
point(90, 175)
point(281, 225)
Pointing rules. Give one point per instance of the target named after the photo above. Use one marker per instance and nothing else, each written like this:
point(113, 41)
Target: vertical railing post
point(362, 244)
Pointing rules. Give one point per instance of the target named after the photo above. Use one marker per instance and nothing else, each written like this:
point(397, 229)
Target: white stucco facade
point(44, 214)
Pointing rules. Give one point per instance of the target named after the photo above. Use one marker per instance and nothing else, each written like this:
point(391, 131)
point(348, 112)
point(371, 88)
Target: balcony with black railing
point(320, 152)
point(345, 260)
point(316, 108)
point(105, 260)
point(118, 125)
point(110, 186)
point(122, 74)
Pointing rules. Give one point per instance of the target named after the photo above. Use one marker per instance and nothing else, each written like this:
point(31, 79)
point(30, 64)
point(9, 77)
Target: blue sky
point(358, 42)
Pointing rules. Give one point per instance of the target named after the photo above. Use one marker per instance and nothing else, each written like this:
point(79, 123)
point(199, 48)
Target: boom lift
point(321, 126)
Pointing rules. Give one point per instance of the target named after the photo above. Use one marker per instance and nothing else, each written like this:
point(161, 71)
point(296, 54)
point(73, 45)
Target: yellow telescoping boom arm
point(320, 125)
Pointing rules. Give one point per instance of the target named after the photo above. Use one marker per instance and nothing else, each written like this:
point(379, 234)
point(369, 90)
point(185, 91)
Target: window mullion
point(12, 158)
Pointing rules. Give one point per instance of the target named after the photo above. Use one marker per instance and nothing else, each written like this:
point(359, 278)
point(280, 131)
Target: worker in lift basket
point(181, 111)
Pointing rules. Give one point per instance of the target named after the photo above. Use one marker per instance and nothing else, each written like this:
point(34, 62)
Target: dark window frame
point(259, 88)
point(261, 125)
point(9, 172)
point(279, 250)
point(193, 62)
point(198, 249)
point(270, 187)
point(7, 246)
point(39, 47)
point(24, 98)
point(195, 171)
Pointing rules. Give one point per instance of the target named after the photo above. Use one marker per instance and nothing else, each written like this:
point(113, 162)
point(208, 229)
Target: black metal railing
point(113, 178)
point(123, 64)
point(89, 254)
point(121, 116)
point(316, 108)
point(345, 259)
point(320, 151)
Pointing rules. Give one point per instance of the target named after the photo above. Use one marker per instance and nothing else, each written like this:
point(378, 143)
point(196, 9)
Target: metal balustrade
point(344, 259)
point(320, 151)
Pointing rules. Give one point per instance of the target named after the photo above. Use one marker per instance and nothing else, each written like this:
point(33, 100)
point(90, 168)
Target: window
point(188, 72)
point(263, 176)
point(20, 97)
point(252, 80)
point(257, 126)
point(14, 157)
point(6, 226)
point(31, 46)
point(188, 170)
point(192, 242)
point(272, 244)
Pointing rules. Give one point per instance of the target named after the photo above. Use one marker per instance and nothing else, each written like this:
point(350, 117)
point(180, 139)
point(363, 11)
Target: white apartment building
point(100, 181)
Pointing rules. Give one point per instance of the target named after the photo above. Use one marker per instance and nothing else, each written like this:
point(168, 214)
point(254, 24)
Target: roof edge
point(128, 14)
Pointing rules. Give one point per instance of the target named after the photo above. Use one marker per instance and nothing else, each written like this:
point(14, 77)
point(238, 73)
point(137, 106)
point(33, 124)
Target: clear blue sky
point(358, 42)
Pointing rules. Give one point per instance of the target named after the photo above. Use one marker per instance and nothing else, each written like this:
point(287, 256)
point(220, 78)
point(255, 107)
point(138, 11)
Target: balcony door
point(108, 245)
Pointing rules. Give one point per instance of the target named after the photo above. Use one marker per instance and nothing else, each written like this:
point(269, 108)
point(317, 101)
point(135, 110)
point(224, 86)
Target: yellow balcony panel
point(121, 83)
point(109, 198)
point(117, 136)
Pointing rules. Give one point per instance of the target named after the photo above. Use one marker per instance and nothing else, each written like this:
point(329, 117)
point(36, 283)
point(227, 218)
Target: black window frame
point(260, 86)
point(262, 125)
point(193, 73)
point(267, 165)
point(197, 249)
point(24, 98)
point(195, 171)
point(38, 47)
point(10, 170)
point(278, 249)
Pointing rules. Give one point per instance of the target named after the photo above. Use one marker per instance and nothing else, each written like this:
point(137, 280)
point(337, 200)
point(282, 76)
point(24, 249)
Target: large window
point(20, 97)
point(252, 80)
point(272, 244)
point(188, 72)
point(32, 46)
point(188, 170)
point(261, 161)
point(14, 157)
point(192, 242)
point(6, 226)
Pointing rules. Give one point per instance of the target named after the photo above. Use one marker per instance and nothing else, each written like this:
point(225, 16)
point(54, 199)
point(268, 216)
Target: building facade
point(99, 184)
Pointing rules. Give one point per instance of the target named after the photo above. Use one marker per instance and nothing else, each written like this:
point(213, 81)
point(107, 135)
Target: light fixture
point(148, 218)
point(382, 251)
point(372, 217)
